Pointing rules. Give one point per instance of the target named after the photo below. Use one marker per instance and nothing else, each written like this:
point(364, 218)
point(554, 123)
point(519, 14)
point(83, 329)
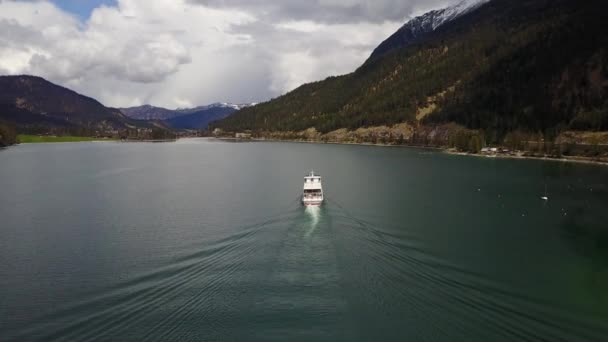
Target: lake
point(206, 240)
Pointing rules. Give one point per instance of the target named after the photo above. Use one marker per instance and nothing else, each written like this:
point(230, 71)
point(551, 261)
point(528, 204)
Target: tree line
point(8, 134)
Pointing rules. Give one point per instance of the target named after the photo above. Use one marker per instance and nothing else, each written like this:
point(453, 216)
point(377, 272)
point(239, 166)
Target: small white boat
point(545, 197)
point(313, 190)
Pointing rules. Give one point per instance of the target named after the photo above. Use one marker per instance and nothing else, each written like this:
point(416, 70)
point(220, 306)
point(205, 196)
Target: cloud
point(329, 11)
point(177, 52)
point(302, 51)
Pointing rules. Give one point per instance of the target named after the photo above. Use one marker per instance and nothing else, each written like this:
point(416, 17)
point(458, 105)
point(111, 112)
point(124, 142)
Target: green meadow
point(27, 139)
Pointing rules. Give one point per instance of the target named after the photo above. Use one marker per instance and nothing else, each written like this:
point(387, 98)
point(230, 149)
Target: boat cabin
point(313, 189)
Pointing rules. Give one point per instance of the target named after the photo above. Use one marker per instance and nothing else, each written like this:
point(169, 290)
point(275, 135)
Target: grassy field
point(26, 139)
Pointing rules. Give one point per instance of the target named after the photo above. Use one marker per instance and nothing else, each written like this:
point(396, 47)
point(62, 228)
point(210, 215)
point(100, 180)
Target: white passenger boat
point(313, 190)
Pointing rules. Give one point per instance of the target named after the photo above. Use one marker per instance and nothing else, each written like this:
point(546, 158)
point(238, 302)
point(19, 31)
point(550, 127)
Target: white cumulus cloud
point(187, 52)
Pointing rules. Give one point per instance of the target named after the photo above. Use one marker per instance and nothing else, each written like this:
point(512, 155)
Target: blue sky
point(82, 8)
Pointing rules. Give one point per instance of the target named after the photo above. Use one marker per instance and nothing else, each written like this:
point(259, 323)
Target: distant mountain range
point(498, 66)
point(201, 117)
point(184, 118)
point(148, 112)
point(35, 105)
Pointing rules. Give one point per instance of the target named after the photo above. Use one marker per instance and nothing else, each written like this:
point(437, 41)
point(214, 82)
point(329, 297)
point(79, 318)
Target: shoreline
point(90, 141)
point(62, 142)
point(449, 151)
point(570, 159)
point(53, 139)
point(563, 159)
point(332, 143)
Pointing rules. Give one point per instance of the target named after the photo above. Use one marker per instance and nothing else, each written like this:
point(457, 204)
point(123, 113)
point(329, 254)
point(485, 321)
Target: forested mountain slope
point(534, 65)
point(34, 104)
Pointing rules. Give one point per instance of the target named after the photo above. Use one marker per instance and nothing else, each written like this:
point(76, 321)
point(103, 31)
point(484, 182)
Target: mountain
point(34, 104)
point(201, 118)
point(147, 112)
point(217, 105)
point(419, 27)
point(185, 118)
point(500, 66)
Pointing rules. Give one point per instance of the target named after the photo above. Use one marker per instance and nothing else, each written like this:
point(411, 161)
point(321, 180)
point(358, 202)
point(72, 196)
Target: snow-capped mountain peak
point(237, 106)
point(425, 24)
point(148, 112)
point(453, 12)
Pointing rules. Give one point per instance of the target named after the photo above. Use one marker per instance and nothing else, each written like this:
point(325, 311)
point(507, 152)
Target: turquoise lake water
point(205, 240)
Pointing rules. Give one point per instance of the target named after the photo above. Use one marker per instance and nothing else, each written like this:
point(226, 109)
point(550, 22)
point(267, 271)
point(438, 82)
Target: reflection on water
point(313, 213)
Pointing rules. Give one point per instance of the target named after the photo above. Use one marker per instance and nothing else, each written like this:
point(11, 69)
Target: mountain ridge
point(534, 65)
point(200, 119)
point(150, 112)
point(422, 25)
point(195, 118)
point(35, 105)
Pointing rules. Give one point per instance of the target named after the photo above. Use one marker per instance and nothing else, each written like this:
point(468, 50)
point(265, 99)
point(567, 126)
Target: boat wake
point(314, 213)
